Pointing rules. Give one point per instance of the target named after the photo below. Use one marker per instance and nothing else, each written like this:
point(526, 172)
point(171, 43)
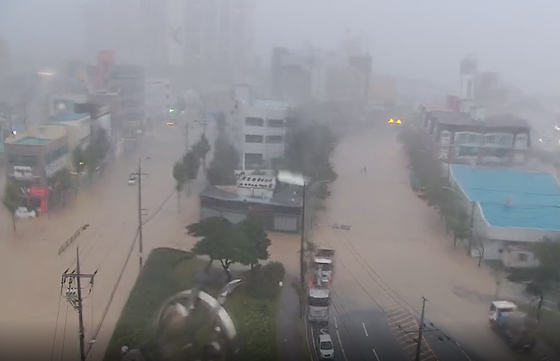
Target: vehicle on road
point(318, 304)
point(23, 212)
point(324, 264)
point(132, 180)
point(171, 123)
point(325, 347)
point(516, 327)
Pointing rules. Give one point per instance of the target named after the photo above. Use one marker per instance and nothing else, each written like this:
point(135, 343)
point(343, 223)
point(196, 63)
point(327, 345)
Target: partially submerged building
point(257, 194)
point(511, 210)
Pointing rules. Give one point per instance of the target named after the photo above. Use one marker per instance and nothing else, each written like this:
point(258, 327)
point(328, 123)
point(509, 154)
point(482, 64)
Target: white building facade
point(157, 98)
point(257, 129)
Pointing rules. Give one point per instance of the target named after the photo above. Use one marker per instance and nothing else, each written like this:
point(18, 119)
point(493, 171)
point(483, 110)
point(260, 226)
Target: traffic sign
point(391, 121)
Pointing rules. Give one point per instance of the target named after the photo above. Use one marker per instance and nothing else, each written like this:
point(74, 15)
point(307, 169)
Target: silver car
point(325, 348)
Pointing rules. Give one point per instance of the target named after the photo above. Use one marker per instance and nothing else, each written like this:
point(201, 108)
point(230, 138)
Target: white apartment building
point(157, 98)
point(257, 128)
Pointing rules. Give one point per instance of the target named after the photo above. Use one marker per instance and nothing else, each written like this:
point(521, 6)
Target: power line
point(106, 309)
point(64, 334)
point(56, 324)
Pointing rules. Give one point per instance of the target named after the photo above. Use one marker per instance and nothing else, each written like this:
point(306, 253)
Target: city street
point(396, 253)
point(30, 269)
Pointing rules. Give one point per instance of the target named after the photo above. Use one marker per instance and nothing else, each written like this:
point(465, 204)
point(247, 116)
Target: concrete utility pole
point(302, 242)
point(140, 212)
point(420, 331)
point(74, 297)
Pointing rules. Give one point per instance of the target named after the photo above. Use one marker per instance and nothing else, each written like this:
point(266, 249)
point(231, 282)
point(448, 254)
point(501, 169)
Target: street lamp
point(299, 180)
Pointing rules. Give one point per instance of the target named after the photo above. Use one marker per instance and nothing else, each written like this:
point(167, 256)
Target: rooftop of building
point(38, 136)
point(69, 116)
point(290, 196)
point(510, 197)
point(461, 118)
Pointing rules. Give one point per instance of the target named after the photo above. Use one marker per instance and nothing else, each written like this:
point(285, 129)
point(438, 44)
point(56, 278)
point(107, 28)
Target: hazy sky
point(413, 38)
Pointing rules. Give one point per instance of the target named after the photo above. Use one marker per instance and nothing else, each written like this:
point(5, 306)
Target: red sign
point(39, 192)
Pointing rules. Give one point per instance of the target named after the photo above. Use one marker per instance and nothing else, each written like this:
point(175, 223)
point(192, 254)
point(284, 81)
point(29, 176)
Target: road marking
point(335, 323)
point(340, 343)
point(313, 339)
point(364, 326)
point(375, 353)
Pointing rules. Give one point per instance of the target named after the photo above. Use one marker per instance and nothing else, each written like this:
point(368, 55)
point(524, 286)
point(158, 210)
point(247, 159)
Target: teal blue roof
point(534, 198)
point(32, 141)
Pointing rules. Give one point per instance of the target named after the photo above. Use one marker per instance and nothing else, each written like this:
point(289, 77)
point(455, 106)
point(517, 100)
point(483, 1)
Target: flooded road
point(30, 269)
point(397, 251)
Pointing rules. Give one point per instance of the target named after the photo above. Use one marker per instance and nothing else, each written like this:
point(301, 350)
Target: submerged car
point(23, 212)
point(132, 180)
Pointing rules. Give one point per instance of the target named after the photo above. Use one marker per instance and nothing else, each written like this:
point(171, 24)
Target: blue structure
point(511, 198)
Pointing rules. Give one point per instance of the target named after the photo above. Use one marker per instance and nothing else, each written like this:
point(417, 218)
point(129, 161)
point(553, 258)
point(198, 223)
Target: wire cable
point(111, 297)
point(64, 334)
point(56, 324)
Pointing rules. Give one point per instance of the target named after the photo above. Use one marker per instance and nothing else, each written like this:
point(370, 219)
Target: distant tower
point(468, 70)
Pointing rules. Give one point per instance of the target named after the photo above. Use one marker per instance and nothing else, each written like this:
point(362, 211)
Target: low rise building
point(33, 158)
point(510, 209)
point(78, 127)
point(257, 129)
point(256, 194)
point(460, 137)
point(157, 99)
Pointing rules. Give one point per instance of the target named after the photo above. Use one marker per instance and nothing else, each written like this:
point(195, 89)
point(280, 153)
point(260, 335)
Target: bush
point(263, 280)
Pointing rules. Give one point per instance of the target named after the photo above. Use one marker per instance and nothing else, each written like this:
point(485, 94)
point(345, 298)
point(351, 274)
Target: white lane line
point(340, 343)
point(335, 323)
point(364, 326)
point(313, 339)
point(375, 353)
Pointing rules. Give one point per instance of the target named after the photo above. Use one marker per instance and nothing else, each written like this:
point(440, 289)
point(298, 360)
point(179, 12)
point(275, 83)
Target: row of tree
point(185, 170)
point(427, 176)
point(426, 170)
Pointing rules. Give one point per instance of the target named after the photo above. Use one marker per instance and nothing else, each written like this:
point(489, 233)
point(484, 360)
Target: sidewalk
point(291, 342)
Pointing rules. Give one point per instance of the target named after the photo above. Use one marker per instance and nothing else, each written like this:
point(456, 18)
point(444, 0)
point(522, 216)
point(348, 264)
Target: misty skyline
point(408, 38)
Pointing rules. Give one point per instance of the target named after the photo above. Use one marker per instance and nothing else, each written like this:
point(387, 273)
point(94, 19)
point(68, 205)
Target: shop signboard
point(38, 192)
point(22, 172)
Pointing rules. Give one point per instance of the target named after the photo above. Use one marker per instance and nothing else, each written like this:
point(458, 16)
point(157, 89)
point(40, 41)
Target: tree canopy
point(224, 163)
point(245, 242)
point(10, 199)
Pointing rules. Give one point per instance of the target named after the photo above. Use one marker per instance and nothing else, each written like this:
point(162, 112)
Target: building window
point(253, 160)
point(445, 137)
point(468, 138)
point(464, 151)
point(522, 257)
point(274, 139)
point(254, 122)
point(253, 138)
point(521, 141)
point(276, 123)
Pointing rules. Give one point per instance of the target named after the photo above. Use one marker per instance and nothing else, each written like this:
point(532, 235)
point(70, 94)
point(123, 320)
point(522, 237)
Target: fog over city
point(419, 39)
point(279, 180)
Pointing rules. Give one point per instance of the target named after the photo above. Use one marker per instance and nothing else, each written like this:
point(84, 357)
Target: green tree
point(97, 150)
point(79, 159)
point(224, 163)
point(220, 240)
point(10, 199)
point(191, 163)
point(180, 176)
point(201, 149)
point(308, 151)
point(547, 275)
point(258, 241)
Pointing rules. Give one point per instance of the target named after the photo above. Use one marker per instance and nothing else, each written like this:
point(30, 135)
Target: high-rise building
point(218, 40)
